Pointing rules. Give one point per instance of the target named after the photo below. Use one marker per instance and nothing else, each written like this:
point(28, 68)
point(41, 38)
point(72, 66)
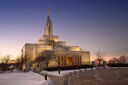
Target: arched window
point(51, 42)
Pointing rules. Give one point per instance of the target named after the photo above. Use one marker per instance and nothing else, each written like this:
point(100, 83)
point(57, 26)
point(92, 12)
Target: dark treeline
point(7, 64)
point(69, 68)
point(122, 61)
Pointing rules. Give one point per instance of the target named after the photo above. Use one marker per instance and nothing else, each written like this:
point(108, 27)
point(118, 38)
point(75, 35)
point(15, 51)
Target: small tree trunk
point(46, 65)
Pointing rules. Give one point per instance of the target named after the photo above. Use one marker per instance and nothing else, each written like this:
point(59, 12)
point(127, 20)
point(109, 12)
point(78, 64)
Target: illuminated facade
point(69, 55)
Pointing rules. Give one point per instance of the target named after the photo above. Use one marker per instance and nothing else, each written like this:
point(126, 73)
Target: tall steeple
point(48, 29)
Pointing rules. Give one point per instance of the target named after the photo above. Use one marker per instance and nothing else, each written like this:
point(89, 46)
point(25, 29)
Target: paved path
point(56, 80)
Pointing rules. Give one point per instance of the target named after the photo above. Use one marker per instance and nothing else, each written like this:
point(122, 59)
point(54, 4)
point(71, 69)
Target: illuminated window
point(69, 61)
point(51, 42)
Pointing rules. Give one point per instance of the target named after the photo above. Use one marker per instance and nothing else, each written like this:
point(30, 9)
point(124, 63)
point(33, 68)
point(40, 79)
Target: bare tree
point(18, 59)
point(25, 59)
point(4, 65)
point(57, 58)
point(113, 60)
point(46, 57)
point(123, 59)
point(1, 60)
point(6, 59)
point(99, 57)
point(18, 62)
point(38, 60)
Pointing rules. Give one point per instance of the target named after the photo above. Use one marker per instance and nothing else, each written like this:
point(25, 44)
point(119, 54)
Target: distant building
point(69, 55)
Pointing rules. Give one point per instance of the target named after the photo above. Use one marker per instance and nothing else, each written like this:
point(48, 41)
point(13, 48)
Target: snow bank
point(22, 78)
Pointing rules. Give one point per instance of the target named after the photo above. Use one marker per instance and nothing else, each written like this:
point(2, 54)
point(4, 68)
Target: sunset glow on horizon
point(91, 24)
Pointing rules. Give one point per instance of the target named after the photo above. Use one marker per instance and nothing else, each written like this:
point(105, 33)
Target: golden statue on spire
point(48, 11)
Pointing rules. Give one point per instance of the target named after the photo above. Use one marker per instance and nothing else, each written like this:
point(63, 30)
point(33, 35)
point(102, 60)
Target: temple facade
point(68, 55)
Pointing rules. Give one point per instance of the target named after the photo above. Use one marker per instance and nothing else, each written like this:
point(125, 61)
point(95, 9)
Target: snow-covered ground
point(95, 76)
point(22, 78)
point(62, 73)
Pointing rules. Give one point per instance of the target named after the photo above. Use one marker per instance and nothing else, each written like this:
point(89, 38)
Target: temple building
point(68, 55)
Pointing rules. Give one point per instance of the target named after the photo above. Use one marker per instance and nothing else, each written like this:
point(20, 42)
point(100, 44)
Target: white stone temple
point(69, 55)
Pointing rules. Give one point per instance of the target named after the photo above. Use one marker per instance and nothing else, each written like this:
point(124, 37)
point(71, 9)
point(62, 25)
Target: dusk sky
point(91, 24)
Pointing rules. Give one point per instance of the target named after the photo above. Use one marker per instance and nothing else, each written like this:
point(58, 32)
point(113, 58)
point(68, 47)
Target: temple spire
point(48, 29)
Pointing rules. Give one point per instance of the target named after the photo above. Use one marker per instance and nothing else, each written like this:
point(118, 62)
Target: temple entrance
point(69, 61)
